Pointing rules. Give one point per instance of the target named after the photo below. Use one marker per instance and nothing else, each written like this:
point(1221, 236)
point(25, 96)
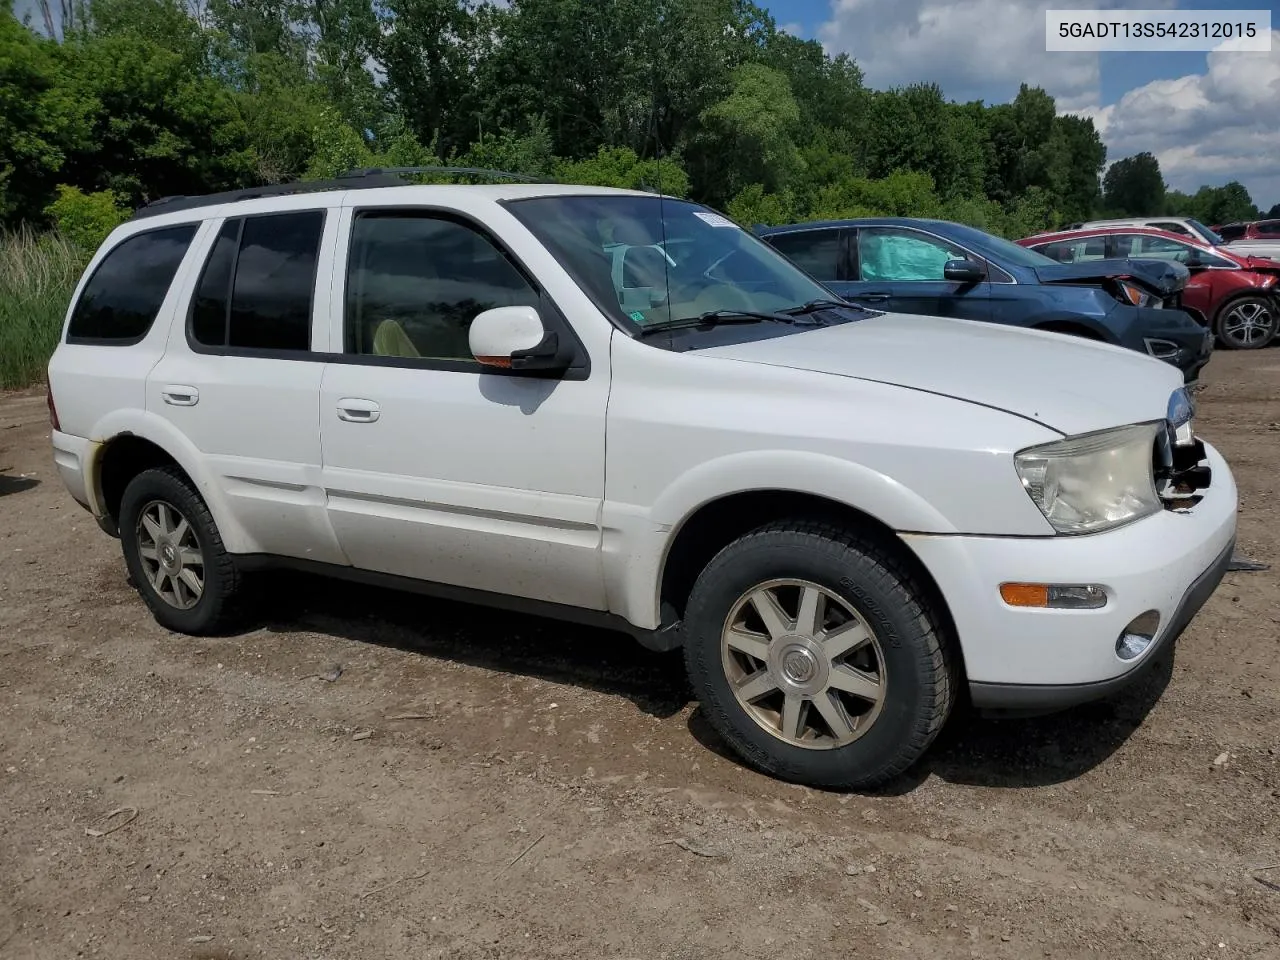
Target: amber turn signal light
point(1054, 596)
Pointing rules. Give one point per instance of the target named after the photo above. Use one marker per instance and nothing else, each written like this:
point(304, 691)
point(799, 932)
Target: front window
point(998, 248)
point(646, 260)
point(890, 254)
point(1147, 247)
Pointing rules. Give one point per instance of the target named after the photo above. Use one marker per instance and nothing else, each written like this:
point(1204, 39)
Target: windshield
point(646, 260)
point(999, 248)
point(1205, 232)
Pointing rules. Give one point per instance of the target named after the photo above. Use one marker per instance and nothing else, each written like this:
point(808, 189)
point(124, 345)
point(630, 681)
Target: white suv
point(846, 518)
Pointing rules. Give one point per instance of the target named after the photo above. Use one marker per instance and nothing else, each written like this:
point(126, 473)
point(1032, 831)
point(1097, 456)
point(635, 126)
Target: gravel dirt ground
point(477, 784)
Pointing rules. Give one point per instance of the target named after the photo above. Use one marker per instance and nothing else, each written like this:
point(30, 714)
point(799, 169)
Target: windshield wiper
point(813, 306)
point(715, 318)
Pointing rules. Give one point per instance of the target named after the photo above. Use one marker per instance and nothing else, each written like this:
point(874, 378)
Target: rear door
point(901, 269)
point(240, 377)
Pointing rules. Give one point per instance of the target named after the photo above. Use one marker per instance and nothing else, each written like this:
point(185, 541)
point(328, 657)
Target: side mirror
point(964, 271)
point(513, 338)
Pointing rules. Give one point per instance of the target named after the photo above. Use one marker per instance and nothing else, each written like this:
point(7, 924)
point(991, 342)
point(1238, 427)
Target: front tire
point(174, 553)
point(817, 656)
point(1248, 323)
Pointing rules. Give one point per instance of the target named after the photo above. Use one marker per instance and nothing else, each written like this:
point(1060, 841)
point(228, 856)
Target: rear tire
point(1247, 323)
point(175, 555)
point(817, 656)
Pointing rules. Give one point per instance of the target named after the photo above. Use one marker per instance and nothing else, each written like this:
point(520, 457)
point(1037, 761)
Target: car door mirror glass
point(513, 338)
point(963, 271)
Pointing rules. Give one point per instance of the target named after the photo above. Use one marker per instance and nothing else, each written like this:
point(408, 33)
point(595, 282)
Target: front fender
point(637, 542)
point(831, 477)
point(157, 430)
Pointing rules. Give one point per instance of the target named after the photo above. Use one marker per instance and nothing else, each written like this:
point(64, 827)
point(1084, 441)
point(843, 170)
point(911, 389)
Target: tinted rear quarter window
point(120, 302)
point(258, 285)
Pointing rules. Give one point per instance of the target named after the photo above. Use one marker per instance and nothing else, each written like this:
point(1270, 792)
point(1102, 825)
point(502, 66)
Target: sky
point(1208, 117)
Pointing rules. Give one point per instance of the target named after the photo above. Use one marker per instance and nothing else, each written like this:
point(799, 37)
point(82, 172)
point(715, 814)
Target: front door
point(435, 467)
point(901, 269)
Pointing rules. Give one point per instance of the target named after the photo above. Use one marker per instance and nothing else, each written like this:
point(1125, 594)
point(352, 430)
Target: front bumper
point(1034, 659)
point(1187, 346)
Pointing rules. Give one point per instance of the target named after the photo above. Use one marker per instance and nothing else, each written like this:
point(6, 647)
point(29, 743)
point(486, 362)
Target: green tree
point(156, 128)
point(621, 167)
point(754, 124)
point(86, 218)
point(40, 119)
point(1134, 186)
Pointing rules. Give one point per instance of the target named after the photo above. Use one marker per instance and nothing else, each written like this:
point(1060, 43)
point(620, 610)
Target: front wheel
point(1249, 323)
point(817, 656)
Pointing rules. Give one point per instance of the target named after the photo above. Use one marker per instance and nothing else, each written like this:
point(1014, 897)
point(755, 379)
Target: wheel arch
point(129, 442)
point(715, 524)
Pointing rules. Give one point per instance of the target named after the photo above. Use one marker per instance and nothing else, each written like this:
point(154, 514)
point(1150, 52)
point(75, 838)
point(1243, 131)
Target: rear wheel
point(817, 656)
point(174, 553)
point(1249, 323)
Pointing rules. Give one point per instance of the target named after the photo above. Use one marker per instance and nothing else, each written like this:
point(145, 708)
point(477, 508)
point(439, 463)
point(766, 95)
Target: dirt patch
point(520, 779)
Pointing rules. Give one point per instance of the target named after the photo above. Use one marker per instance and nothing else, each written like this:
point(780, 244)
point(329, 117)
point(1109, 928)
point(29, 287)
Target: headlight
point(1089, 483)
point(1135, 295)
point(1181, 415)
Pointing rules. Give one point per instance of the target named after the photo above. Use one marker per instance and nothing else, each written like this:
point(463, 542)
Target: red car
point(1234, 295)
point(1251, 230)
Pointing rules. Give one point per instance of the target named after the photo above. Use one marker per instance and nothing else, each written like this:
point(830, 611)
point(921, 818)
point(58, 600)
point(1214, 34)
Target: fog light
point(1137, 636)
point(1054, 596)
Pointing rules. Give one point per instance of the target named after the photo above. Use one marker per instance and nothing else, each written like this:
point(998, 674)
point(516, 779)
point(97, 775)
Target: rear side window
point(120, 302)
point(1075, 251)
point(1269, 227)
point(816, 252)
point(258, 285)
point(1232, 233)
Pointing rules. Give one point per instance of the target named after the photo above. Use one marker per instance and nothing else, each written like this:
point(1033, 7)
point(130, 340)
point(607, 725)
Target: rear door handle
point(180, 395)
point(355, 410)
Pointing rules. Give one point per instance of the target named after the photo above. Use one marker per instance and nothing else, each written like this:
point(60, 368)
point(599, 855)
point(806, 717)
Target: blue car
point(944, 269)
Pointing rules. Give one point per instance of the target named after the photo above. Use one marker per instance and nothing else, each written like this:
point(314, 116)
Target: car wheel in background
point(1248, 323)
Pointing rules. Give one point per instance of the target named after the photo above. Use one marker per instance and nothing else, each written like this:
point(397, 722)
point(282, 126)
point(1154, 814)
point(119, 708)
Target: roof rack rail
point(363, 178)
point(469, 171)
point(171, 204)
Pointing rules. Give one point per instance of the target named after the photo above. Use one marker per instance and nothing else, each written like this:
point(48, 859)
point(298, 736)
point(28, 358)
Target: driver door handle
point(356, 410)
point(180, 395)
point(874, 297)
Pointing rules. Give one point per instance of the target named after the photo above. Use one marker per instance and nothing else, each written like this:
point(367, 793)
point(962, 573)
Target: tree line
point(108, 104)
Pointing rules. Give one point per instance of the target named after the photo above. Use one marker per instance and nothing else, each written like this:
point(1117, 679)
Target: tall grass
point(38, 272)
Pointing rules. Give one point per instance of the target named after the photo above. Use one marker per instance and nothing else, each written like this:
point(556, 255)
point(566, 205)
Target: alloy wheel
point(1248, 324)
point(803, 664)
point(171, 556)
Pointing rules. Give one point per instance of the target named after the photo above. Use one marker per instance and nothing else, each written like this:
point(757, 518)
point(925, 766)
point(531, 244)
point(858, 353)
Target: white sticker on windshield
point(714, 219)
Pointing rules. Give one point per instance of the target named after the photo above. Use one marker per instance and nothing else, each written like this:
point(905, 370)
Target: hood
point(1265, 264)
point(1063, 382)
point(1164, 277)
